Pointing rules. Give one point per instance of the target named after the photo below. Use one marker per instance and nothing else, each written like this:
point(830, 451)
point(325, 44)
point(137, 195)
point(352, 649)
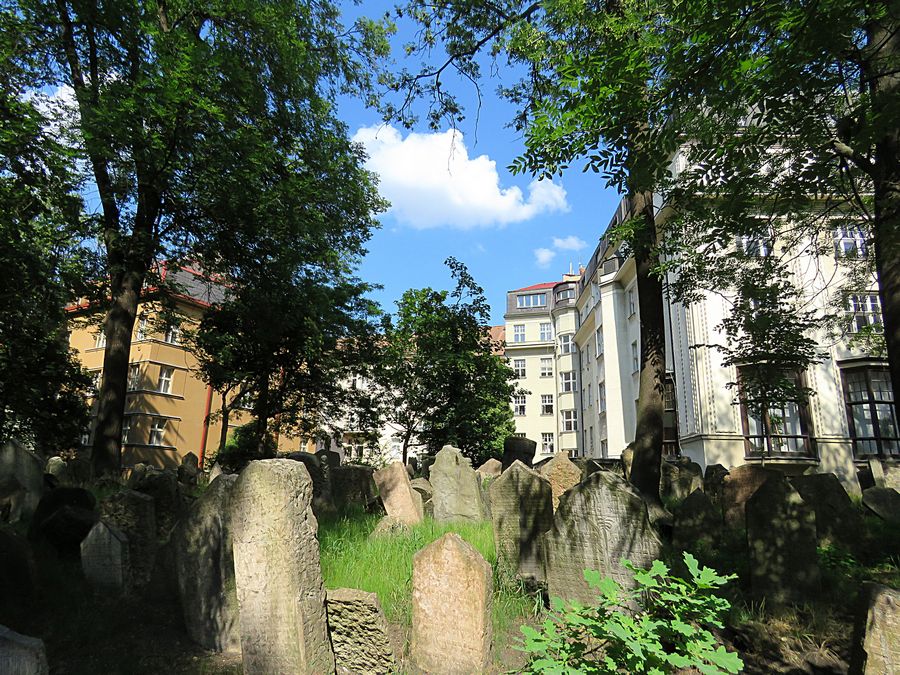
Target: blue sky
point(453, 196)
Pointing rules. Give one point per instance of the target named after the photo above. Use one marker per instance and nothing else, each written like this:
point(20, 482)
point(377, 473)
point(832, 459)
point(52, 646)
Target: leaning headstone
point(883, 502)
point(457, 488)
point(63, 519)
point(353, 485)
point(400, 500)
point(359, 633)
point(738, 486)
point(276, 564)
point(679, 479)
point(876, 635)
point(562, 474)
point(892, 476)
point(21, 655)
point(204, 568)
point(423, 487)
point(781, 539)
point(425, 462)
point(590, 466)
point(713, 480)
point(104, 558)
point(21, 480)
point(491, 468)
point(215, 472)
point(837, 521)
point(599, 522)
point(697, 521)
point(521, 511)
point(451, 608)
point(189, 469)
point(876, 468)
point(518, 448)
point(134, 513)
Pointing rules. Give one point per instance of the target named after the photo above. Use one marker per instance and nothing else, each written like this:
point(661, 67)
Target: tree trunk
point(223, 433)
point(261, 412)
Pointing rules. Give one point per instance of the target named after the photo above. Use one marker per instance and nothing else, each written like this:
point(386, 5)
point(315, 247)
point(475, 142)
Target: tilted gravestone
point(837, 521)
point(276, 568)
point(134, 513)
point(359, 633)
point(781, 539)
point(679, 479)
point(876, 468)
point(21, 655)
point(457, 488)
point(423, 487)
point(599, 522)
point(738, 486)
point(562, 474)
point(451, 608)
point(521, 511)
point(518, 448)
point(104, 558)
point(399, 498)
point(883, 502)
point(204, 567)
point(353, 485)
point(492, 468)
point(876, 635)
point(713, 479)
point(21, 481)
point(697, 522)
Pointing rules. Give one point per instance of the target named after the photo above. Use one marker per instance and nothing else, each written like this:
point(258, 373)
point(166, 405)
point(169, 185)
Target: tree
point(441, 379)
point(173, 101)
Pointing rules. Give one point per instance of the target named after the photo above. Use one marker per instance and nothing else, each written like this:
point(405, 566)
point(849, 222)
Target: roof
point(536, 287)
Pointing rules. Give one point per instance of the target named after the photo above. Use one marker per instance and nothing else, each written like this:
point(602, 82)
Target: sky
point(451, 194)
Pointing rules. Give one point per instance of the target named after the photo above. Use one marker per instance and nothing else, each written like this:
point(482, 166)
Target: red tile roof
point(536, 287)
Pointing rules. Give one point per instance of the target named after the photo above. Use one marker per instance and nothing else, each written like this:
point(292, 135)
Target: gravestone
point(562, 474)
point(21, 481)
point(876, 635)
point(425, 462)
point(451, 608)
point(21, 655)
point(627, 459)
point(104, 558)
point(359, 633)
point(457, 488)
point(58, 468)
point(388, 526)
point(162, 486)
point(63, 518)
point(679, 479)
point(837, 521)
point(713, 479)
point(883, 502)
point(591, 466)
point(697, 521)
point(423, 487)
point(492, 468)
point(521, 511)
point(189, 469)
point(781, 539)
point(134, 513)
point(738, 486)
point(892, 476)
point(323, 502)
point(204, 569)
point(876, 468)
point(518, 448)
point(353, 485)
point(598, 523)
point(276, 566)
point(399, 498)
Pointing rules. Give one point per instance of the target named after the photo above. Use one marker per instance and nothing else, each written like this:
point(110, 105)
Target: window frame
point(169, 380)
point(134, 376)
point(518, 335)
point(158, 425)
point(569, 420)
point(173, 335)
point(519, 405)
point(547, 448)
point(567, 343)
point(872, 403)
point(545, 360)
point(751, 451)
point(527, 300)
point(547, 408)
point(519, 373)
point(870, 310)
point(546, 335)
point(568, 382)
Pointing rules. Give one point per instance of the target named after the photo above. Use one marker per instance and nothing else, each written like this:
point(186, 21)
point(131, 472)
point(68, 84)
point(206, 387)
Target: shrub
point(658, 627)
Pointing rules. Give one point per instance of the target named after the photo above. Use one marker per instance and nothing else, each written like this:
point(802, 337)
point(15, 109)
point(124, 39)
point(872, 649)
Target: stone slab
point(521, 512)
point(359, 633)
point(876, 636)
point(562, 474)
point(457, 488)
point(21, 655)
point(400, 500)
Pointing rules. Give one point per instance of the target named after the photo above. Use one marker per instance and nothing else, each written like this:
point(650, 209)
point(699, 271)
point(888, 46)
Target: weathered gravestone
point(876, 468)
point(679, 479)
point(883, 502)
point(134, 513)
point(162, 486)
point(892, 476)
point(104, 558)
point(21, 655)
point(876, 634)
point(451, 608)
point(457, 488)
point(425, 462)
point(63, 518)
point(738, 486)
point(359, 633)
point(518, 448)
point(399, 498)
point(836, 519)
point(353, 485)
point(562, 474)
point(388, 526)
point(713, 480)
point(599, 522)
point(492, 468)
point(189, 469)
point(423, 487)
point(58, 468)
point(21, 481)
point(276, 567)
point(521, 511)
point(781, 539)
point(627, 459)
point(323, 502)
point(697, 521)
point(204, 567)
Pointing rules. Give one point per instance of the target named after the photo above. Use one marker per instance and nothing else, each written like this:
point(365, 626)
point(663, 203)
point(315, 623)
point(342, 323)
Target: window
point(546, 404)
point(173, 335)
point(97, 380)
point(547, 442)
point(591, 437)
point(869, 397)
point(519, 332)
point(590, 396)
point(753, 246)
point(100, 339)
point(86, 437)
point(864, 311)
point(670, 418)
point(632, 306)
point(358, 382)
point(126, 429)
point(546, 367)
point(532, 300)
point(519, 404)
point(134, 377)
point(567, 294)
point(601, 397)
point(599, 341)
point(635, 358)
point(850, 242)
point(567, 381)
point(141, 330)
point(570, 420)
point(566, 344)
point(604, 448)
point(519, 368)
point(519, 434)
point(780, 429)
point(546, 332)
point(157, 431)
point(164, 384)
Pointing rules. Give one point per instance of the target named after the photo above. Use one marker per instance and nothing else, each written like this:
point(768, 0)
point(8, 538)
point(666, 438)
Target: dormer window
point(531, 300)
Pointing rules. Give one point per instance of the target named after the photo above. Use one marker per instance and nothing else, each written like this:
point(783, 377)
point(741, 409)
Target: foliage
point(668, 630)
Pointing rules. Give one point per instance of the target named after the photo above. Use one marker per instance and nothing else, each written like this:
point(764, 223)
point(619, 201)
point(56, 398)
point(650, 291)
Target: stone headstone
point(425, 462)
point(276, 565)
point(876, 635)
point(138, 471)
point(189, 469)
point(518, 448)
point(457, 488)
point(204, 568)
point(134, 513)
point(738, 486)
point(21, 655)
point(713, 479)
point(883, 502)
point(104, 558)
point(492, 468)
point(521, 511)
point(162, 486)
point(400, 500)
point(892, 476)
point(697, 521)
point(877, 470)
point(627, 459)
point(388, 526)
point(359, 633)
point(57, 467)
point(63, 519)
point(353, 485)
point(21, 480)
point(598, 523)
point(452, 600)
point(323, 502)
point(679, 479)
point(837, 521)
point(423, 487)
point(591, 466)
point(781, 539)
point(215, 472)
point(562, 474)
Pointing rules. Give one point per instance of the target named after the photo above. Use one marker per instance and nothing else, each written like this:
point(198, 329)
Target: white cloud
point(431, 181)
point(543, 257)
point(570, 243)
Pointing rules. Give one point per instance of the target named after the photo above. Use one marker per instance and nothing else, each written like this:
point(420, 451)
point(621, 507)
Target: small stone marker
point(679, 479)
point(134, 513)
point(627, 459)
point(518, 448)
point(57, 466)
point(883, 502)
point(876, 635)
point(162, 486)
point(276, 566)
point(359, 633)
point(104, 558)
point(713, 479)
point(836, 519)
point(877, 470)
point(696, 521)
point(387, 527)
point(189, 469)
point(599, 522)
point(738, 486)
point(21, 655)
point(781, 538)
point(423, 487)
point(457, 488)
point(451, 608)
point(21, 480)
point(562, 474)
point(400, 500)
point(492, 468)
point(521, 511)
